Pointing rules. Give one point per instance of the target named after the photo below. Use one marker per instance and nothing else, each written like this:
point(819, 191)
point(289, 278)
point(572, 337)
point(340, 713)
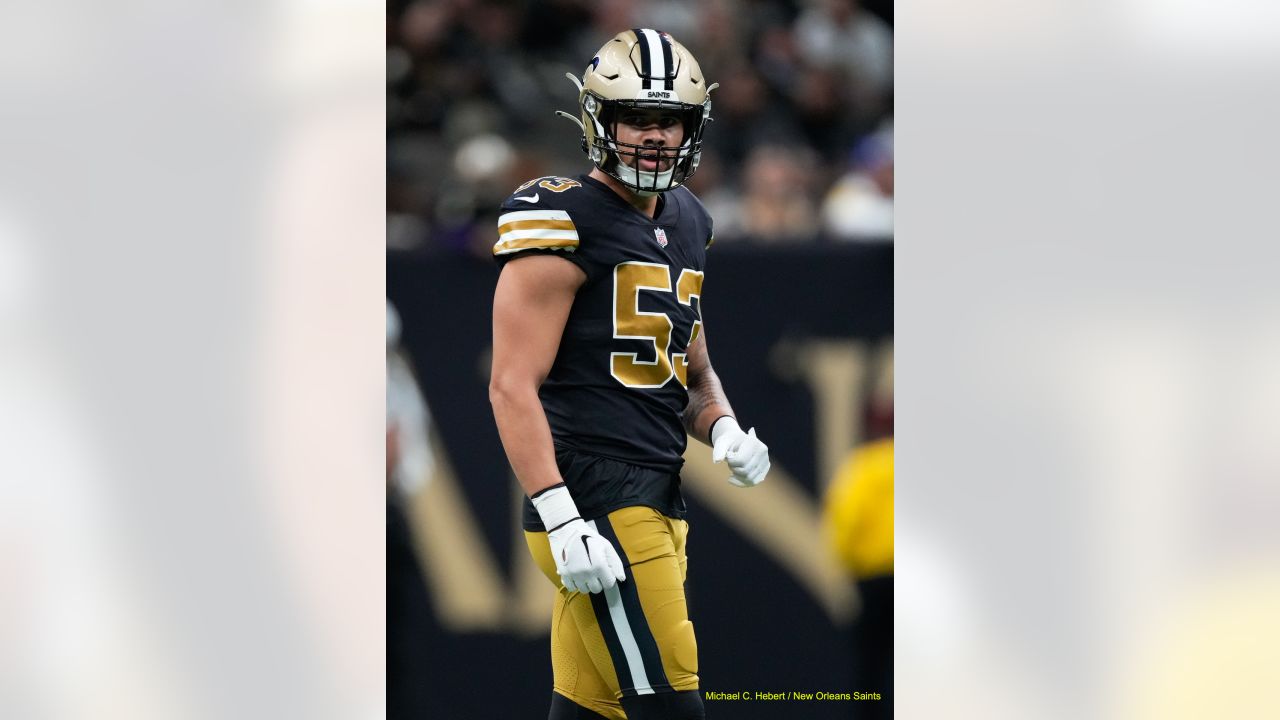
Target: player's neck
point(646, 205)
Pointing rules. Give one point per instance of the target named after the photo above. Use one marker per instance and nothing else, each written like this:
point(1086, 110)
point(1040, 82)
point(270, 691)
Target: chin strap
point(632, 178)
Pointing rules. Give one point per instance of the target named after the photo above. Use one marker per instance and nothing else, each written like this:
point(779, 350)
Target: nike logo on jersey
point(529, 199)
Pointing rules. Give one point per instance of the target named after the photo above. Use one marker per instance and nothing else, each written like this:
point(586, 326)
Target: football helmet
point(649, 70)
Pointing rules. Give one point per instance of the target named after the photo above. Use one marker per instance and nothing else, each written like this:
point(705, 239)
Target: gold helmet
point(645, 69)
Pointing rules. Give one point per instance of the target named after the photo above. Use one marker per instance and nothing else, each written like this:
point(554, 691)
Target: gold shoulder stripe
point(535, 225)
point(530, 229)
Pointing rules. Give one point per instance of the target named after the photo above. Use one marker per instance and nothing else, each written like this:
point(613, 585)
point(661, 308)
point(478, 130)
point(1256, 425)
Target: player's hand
point(748, 458)
point(586, 561)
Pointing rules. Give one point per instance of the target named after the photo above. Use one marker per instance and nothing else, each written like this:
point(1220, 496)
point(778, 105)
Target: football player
point(600, 372)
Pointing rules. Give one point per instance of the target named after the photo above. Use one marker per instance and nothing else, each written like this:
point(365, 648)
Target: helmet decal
point(655, 60)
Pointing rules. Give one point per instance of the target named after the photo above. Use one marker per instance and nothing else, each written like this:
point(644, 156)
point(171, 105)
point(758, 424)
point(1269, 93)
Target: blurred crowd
point(800, 149)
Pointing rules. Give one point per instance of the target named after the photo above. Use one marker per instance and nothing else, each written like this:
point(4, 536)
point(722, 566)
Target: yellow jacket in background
point(859, 511)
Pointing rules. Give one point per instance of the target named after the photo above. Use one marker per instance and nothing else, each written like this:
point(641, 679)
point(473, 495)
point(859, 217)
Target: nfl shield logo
point(661, 235)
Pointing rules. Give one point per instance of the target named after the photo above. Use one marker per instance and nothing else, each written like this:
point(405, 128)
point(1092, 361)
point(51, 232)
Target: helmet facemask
point(621, 160)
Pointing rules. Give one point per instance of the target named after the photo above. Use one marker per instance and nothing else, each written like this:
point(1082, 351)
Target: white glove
point(748, 458)
point(586, 561)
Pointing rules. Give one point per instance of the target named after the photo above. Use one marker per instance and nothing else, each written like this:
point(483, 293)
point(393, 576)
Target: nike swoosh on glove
point(748, 458)
point(586, 561)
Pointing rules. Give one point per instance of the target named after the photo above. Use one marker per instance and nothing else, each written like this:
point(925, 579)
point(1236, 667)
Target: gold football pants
point(635, 638)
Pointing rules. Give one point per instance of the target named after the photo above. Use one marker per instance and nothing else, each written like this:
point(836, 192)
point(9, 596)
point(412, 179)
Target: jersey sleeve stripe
point(538, 234)
point(536, 225)
point(504, 248)
point(535, 229)
point(534, 215)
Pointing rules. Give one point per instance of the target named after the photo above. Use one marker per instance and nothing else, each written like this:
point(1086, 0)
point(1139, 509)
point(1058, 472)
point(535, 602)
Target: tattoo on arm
point(707, 400)
point(698, 401)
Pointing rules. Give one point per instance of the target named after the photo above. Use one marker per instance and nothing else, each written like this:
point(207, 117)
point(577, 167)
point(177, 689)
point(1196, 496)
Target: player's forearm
point(707, 403)
point(526, 436)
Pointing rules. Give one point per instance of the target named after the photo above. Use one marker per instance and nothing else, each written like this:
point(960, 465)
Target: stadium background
point(798, 174)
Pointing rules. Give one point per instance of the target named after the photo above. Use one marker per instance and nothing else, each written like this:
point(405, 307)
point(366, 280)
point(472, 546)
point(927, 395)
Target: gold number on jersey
point(631, 323)
point(688, 287)
point(559, 184)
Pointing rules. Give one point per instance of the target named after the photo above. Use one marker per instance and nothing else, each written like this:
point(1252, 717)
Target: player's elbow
point(506, 391)
point(499, 393)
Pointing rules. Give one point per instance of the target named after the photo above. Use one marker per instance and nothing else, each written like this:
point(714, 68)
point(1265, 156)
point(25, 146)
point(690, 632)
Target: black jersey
point(617, 386)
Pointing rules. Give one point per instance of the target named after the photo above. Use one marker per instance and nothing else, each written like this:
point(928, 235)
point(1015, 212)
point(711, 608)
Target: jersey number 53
point(631, 323)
